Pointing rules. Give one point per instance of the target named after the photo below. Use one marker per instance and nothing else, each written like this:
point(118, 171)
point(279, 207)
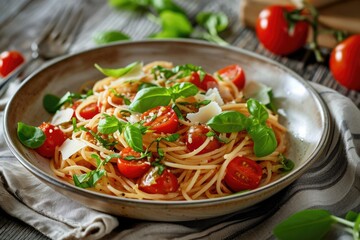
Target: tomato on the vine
point(196, 136)
point(206, 83)
point(233, 73)
point(132, 168)
point(274, 32)
point(9, 61)
point(242, 174)
point(345, 62)
point(53, 137)
point(154, 183)
point(161, 119)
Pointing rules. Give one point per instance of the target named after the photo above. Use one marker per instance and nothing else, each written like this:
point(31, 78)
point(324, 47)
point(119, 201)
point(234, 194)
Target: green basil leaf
point(29, 136)
point(184, 89)
point(307, 224)
point(264, 139)
point(176, 23)
point(229, 121)
point(148, 98)
point(288, 165)
point(97, 159)
point(109, 124)
point(133, 137)
point(110, 36)
point(213, 22)
point(162, 5)
point(146, 85)
point(118, 72)
point(51, 103)
point(351, 216)
point(257, 110)
point(170, 138)
point(132, 5)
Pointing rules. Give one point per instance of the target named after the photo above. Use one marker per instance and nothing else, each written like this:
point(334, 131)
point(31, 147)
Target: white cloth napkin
point(332, 184)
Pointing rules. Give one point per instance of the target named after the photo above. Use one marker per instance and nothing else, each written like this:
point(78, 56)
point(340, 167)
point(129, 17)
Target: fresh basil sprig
point(89, 179)
point(232, 121)
point(314, 224)
point(148, 98)
point(30, 136)
point(180, 71)
point(214, 23)
point(132, 132)
point(52, 103)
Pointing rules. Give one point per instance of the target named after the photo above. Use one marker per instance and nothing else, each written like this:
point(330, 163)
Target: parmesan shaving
point(212, 94)
point(70, 146)
point(62, 116)
point(205, 113)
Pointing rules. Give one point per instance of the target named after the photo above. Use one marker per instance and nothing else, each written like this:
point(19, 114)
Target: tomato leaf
point(29, 136)
point(119, 72)
point(148, 98)
point(307, 224)
point(229, 121)
point(133, 137)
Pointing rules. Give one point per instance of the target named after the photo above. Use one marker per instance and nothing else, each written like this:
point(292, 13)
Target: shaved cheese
point(211, 94)
point(257, 91)
point(62, 116)
point(70, 146)
point(134, 74)
point(205, 113)
point(133, 118)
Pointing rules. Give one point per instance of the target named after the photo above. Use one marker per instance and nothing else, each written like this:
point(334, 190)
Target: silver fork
point(54, 41)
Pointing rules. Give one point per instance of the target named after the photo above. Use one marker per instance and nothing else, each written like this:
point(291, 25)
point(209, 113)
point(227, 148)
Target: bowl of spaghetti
point(174, 130)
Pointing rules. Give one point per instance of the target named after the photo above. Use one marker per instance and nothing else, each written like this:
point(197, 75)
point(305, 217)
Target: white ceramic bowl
point(306, 118)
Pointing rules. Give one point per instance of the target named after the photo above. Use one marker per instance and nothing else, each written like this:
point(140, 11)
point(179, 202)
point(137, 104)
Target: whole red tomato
point(272, 30)
point(9, 61)
point(345, 62)
point(54, 138)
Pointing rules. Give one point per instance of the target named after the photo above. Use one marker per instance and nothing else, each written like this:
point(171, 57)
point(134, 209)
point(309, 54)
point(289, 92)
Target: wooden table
point(301, 62)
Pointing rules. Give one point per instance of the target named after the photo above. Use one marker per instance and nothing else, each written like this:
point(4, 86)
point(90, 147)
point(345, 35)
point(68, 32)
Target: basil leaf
point(184, 89)
point(351, 216)
point(133, 137)
point(148, 98)
point(110, 36)
point(307, 224)
point(175, 22)
point(162, 5)
point(50, 103)
point(170, 138)
point(257, 110)
point(213, 22)
point(264, 139)
point(118, 72)
point(146, 85)
point(132, 5)
point(229, 121)
point(288, 165)
point(271, 105)
point(29, 136)
point(108, 125)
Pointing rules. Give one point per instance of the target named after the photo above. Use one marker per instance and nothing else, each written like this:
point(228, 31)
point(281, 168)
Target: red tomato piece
point(272, 30)
point(132, 168)
point(154, 183)
point(243, 174)
point(161, 119)
point(89, 111)
point(235, 74)
point(9, 61)
point(196, 136)
point(206, 83)
point(54, 137)
point(345, 62)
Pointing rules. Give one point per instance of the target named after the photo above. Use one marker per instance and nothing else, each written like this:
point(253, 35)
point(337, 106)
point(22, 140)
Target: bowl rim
point(291, 176)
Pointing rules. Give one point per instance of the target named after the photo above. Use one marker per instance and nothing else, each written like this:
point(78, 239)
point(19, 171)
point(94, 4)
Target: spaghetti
point(183, 134)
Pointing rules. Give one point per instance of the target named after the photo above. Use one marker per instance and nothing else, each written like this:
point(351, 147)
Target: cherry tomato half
point(132, 168)
point(196, 136)
point(243, 174)
point(206, 83)
point(161, 119)
point(345, 62)
point(153, 183)
point(89, 111)
point(233, 73)
point(272, 30)
point(9, 61)
point(54, 137)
